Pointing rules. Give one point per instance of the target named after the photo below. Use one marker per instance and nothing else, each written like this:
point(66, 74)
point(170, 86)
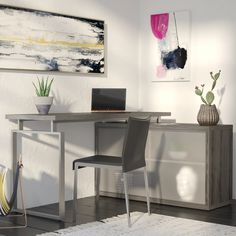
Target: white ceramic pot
point(43, 104)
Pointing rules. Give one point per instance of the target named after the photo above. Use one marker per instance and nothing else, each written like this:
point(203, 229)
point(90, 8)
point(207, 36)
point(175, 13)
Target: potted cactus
point(43, 101)
point(208, 114)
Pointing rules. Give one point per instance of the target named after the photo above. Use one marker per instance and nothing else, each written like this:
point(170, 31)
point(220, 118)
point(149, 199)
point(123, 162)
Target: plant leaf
point(45, 87)
point(198, 92)
point(39, 88)
point(203, 100)
point(49, 86)
point(213, 85)
point(212, 76)
point(210, 97)
point(217, 75)
point(36, 89)
point(42, 82)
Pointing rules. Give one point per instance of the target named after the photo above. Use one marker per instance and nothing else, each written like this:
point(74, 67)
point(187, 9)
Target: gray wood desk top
point(173, 126)
point(83, 116)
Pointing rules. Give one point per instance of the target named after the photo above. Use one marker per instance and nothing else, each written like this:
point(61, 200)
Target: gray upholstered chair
point(133, 157)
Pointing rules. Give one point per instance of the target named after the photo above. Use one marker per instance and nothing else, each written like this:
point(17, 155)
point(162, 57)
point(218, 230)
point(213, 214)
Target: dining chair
point(132, 158)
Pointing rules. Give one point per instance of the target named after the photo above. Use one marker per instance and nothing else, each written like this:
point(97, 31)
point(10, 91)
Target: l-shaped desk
point(54, 119)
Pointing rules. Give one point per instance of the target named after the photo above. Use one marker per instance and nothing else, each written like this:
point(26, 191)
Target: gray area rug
point(143, 224)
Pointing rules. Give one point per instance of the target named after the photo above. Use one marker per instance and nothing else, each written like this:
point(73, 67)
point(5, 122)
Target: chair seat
point(100, 161)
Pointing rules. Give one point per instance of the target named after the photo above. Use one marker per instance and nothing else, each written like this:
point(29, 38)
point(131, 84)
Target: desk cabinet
point(188, 165)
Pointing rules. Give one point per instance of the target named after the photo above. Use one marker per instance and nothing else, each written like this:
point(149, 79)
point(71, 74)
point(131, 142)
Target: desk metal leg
point(75, 204)
point(61, 146)
point(97, 172)
point(61, 176)
point(97, 182)
point(14, 160)
point(15, 153)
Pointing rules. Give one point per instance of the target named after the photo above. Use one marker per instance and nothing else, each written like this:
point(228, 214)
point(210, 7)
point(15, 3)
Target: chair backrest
point(133, 155)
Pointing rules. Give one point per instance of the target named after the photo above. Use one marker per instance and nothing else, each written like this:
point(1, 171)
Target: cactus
point(43, 88)
point(209, 95)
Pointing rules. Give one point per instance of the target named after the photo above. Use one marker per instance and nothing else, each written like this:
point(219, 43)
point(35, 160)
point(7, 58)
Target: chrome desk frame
point(61, 155)
point(54, 119)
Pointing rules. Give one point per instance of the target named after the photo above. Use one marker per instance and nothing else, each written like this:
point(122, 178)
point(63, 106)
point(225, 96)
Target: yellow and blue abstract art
point(44, 41)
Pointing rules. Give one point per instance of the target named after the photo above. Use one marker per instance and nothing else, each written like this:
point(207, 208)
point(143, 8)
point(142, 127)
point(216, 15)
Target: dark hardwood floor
point(107, 207)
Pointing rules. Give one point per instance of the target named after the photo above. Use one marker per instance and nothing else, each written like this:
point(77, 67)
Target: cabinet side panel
point(220, 159)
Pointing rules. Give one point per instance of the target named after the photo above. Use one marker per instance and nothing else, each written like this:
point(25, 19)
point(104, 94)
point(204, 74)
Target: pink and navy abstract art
point(171, 30)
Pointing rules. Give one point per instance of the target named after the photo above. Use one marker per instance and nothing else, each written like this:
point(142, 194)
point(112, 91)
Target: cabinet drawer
point(177, 182)
point(179, 146)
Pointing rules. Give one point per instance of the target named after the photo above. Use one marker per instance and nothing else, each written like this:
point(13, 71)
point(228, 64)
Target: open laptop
point(108, 99)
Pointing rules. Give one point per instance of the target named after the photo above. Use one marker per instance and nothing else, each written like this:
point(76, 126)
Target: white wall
point(212, 48)
point(72, 93)
point(128, 34)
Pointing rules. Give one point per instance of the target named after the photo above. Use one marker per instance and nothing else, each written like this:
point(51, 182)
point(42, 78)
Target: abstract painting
point(171, 32)
point(44, 41)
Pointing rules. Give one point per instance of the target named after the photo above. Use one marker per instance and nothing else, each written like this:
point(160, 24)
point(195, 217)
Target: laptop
point(108, 99)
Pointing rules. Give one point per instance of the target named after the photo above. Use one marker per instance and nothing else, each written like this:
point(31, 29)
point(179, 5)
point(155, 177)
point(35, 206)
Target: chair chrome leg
point(147, 189)
point(126, 198)
point(97, 182)
point(75, 193)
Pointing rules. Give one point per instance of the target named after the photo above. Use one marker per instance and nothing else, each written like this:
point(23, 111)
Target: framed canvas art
point(44, 41)
point(171, 32)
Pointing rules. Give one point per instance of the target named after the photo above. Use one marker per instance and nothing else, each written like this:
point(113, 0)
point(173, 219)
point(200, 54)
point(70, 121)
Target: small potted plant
point(208, 114)
point(43, 101)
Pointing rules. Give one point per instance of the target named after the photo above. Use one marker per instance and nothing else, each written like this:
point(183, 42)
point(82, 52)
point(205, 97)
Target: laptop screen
point(108, 99)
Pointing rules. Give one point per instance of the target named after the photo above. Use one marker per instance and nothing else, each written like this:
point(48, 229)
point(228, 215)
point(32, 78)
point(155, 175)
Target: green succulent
point(44, 87)
point(209, 98)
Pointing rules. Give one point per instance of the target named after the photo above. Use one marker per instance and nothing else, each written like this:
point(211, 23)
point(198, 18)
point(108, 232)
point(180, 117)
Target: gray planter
point(208, 115)
point(43, 104)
